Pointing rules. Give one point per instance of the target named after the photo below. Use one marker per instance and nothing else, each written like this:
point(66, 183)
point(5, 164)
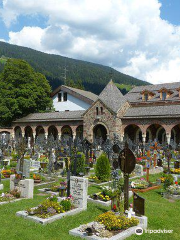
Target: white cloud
point(127, 35)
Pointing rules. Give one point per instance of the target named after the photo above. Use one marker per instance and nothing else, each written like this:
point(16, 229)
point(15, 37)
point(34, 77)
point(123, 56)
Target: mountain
point(93, 76)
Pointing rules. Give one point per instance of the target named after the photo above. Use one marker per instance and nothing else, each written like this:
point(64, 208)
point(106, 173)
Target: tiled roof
point(81, 94)
point(153, 111)
point(52, 116)
point(135, 94)
point(112, 97)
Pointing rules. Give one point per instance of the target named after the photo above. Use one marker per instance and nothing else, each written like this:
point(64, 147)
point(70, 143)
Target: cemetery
point(66, 193)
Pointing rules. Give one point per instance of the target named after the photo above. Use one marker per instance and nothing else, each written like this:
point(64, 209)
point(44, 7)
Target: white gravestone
point(35, 164)
point(1, 186)
point(138, 170)
point(26, 187)
point(79, 190)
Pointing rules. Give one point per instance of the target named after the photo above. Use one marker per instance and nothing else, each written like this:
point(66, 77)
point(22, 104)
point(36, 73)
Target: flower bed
point(175, 171)
point(9, 197)
point(50, 210)
point(139, 184)
point(111, 226)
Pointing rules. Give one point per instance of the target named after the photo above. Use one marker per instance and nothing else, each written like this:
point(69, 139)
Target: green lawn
point(161, 213)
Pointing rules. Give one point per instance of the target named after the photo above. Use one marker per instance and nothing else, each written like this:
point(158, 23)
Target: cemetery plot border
point(36, 219)
point(108, 203)
point(15, 200)
point(171, 196)
point(145, 189)
point(122, 235)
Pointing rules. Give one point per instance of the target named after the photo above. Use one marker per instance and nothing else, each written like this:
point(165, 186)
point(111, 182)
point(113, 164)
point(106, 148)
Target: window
point(163, 96)
point(97, 111)
point(59, 97)
point(65, 97)
point(101, 110)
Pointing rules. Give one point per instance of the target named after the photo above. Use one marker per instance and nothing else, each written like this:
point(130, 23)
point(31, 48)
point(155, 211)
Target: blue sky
point(128, 35)
point(170, 11)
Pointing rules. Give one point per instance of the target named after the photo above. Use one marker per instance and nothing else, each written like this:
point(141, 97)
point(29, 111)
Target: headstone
point(138, 204)
point(176, 164)
point(138, 170)
point(35, 164)
point(26, 187)
point(12, 185)
point(159, 162)
point(26, 168)
point(79, 190)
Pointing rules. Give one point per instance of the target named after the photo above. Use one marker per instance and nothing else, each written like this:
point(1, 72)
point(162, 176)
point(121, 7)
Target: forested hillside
point(93, 76)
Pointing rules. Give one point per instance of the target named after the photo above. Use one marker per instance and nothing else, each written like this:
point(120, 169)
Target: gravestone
point(78, 190)
point(1, 185)
point(26, 168)
point(138, 204)
point(35, 164)
point(176, 164)
point(26, 187)
point(159, 163)
point(138, 170)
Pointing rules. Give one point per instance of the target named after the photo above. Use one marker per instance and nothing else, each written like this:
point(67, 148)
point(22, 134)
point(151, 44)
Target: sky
point(140, 38)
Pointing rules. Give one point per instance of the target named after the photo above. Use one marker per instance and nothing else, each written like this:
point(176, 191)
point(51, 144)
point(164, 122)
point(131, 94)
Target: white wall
point(72, 103)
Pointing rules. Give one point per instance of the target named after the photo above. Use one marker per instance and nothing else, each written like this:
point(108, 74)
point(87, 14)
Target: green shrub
point(80, 167)
point(169, 180)
point(103, 169)
point(66, 204)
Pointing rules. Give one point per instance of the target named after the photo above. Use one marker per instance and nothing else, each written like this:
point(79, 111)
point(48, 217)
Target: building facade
point(145, 113)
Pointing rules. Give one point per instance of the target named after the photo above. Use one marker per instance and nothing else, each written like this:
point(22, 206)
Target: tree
point(22, 91)
point(103, 169)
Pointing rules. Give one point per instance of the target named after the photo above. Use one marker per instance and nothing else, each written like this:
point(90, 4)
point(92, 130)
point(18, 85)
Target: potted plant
point(37, 178)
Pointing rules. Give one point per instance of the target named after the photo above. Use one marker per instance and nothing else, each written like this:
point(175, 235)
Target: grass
point(161, 214)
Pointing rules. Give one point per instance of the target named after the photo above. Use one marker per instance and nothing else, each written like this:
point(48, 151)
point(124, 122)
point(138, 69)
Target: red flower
point(176, 182)
point(114, 207)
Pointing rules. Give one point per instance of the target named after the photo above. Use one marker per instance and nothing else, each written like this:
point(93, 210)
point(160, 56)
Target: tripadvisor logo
point(139, 231)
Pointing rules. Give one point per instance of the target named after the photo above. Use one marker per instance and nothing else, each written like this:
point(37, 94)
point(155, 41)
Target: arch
point(100, 131)
point(79, 131)
point(175, 133)
point(28, 132)
point(40, 132)
point(52, 130)
point(133, 132)
point(17, 132)
point(157, 132)
point(66, 132)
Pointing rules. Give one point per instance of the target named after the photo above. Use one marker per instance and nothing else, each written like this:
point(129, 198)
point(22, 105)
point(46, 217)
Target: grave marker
point(26, 168)
point(138, 204)
point(78, 189)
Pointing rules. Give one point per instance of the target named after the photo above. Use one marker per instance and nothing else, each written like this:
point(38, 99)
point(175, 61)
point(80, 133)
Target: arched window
point(101, 110)
point(97, 111)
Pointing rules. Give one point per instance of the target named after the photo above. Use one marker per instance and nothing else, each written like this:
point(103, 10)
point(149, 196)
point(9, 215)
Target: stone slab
point(48, 192)
point(50, 219)
point(16, 200)
point(78, 190)
point(108, 203)
point(122, 235)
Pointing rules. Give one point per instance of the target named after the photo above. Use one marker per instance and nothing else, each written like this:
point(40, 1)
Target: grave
point(26, 186)
point(78, 188)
